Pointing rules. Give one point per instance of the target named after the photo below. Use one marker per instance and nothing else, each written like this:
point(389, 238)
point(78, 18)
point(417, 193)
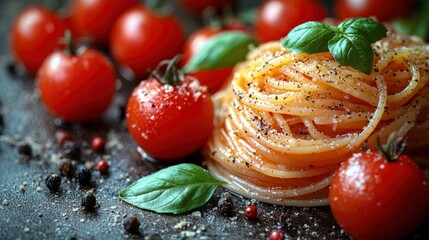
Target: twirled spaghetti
point(289, 119)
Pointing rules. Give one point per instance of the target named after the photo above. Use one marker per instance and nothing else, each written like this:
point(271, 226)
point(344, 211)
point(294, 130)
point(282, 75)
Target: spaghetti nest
point(289, 119)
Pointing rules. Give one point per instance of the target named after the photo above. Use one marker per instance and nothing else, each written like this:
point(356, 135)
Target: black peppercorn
point(61, 124)
point(25, 150)
point(71, 150)
point(89, 202)
point(132, 224)
point(83, 176)
point(53, 182)
point(225, 205)
point(66, 168)
point(11, 68)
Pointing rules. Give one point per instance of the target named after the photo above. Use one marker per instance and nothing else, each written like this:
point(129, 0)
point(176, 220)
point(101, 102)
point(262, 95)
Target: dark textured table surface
point(29, 211)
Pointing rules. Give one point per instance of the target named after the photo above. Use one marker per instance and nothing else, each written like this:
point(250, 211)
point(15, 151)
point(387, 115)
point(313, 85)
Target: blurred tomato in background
point(95, 18)
point(275, 18)
point(35, 33)
point(380, 9)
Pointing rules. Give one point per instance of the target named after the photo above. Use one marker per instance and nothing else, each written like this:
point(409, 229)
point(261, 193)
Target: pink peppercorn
point(102, 166)
point(97, 144)
point(251, 211)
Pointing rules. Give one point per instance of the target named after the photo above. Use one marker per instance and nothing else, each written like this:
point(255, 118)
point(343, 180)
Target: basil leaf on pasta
point(349, 43)
point(310, 37)
point(353, 51)
point(367, 27)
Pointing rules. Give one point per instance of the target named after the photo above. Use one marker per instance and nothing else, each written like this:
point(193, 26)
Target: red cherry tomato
point(275, 18)
point(381, 9)
point(170, 122)
point(372, 198)
point(196, 7)
point(77, 87)
point(95, 18)
point(141, 39)
point(34, 35)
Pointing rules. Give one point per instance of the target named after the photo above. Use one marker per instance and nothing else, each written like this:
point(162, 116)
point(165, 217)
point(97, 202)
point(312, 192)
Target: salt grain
point(5, 202)
point(196, 215)
point(188, 234)
point(168, 88)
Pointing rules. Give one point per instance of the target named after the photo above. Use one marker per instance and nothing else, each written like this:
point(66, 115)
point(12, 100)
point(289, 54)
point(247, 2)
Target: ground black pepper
point(132, 224)
point(89, 202)
point(53, 182)
point(83, 176)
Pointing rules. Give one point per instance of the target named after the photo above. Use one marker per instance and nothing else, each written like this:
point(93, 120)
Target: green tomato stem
point(172, 75)
point(71, 48)
point(393, 148)
point(160, 7)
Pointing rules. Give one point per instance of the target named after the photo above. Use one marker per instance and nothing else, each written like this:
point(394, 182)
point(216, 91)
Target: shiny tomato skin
point(381, 9)
point(374, 199)
point(77, 88)
point(215, 80)
point(196, 7)
point(275, 18)
point(168, 122)
point(141, 39)
point(95, 18)
point(35, 33)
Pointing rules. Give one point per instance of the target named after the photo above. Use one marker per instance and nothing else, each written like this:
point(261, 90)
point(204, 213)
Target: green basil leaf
point(223, 50)
point(367, 27)
point(418, 24)
point(310, 37)
point(176, 189)
point(412, 26)
point(353, 50)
